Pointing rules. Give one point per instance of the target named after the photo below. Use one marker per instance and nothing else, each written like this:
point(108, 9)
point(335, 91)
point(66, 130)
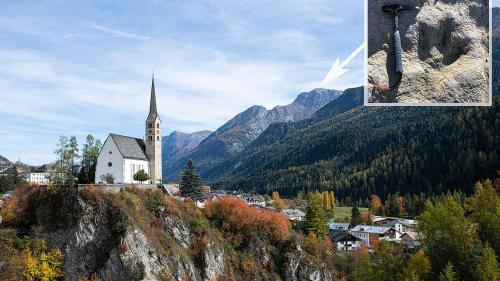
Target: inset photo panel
point(428, 53)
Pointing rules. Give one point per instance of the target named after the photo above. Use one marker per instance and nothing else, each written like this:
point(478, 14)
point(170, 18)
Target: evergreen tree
point(316, 215)
point(61, 151)
point(90, 152)
point(72, 156)
point(355, 216)
point(448, 274)
point(190, 186)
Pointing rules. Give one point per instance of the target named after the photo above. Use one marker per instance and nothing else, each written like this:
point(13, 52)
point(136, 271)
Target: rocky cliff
point(144, 235)
point(445, 52)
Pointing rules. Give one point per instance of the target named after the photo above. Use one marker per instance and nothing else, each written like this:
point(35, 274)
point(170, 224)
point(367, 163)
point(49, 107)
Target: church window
point(158, 125)
point(157, 137)
point(150, 125)
point(110, 164)
point(110, 152)
point(150, 138)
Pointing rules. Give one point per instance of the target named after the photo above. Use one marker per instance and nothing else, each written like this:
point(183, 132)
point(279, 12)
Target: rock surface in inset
point(445, 52)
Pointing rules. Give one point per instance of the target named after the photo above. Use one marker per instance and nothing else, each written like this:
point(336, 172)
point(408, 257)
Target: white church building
point(123, 156)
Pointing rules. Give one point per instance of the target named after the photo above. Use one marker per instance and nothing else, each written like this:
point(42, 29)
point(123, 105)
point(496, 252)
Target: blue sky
point(79, 67)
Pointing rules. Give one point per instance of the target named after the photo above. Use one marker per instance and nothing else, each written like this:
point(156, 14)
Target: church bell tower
point(153, 139)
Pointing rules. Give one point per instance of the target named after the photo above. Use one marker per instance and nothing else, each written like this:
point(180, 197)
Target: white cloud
point(118, 33)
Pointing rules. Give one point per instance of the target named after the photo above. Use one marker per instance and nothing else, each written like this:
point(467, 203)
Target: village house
point(39, 178)
point(370, 233)
point(256, 200)
point(411, 239)
point(344, 241)
point(341, 226)
point(294, 215)
point(401, 225)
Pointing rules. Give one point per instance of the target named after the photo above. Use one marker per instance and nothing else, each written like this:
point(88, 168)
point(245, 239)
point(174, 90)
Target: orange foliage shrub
point(363, 249)
point(16, 205)
point(235, 216)
point(365, 216)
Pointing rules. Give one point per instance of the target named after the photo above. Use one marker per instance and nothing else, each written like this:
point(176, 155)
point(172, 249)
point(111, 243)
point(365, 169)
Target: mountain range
point(354, 150)
point(236, 134)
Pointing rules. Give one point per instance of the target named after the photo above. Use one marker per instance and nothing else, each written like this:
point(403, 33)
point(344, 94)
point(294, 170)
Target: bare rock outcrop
point(445, 52)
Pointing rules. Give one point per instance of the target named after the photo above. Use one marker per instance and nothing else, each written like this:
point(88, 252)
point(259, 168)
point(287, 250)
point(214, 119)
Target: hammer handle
point(399, 52)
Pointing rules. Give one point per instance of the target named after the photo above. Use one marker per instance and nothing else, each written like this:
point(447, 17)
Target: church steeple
point(154, 138)
point(152, 102)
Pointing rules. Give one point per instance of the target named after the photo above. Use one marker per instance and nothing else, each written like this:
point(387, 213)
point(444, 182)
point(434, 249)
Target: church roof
point(153, 113)
point(130, 148)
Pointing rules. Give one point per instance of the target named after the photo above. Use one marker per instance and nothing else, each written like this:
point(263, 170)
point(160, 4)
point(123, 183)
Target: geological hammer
point(395, 9)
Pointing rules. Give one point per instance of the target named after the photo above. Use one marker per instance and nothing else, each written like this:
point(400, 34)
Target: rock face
point(241, 130)
point(178, 144)
point(87, 249)
point(297, 269)
point(92, 244)
point(445, 52)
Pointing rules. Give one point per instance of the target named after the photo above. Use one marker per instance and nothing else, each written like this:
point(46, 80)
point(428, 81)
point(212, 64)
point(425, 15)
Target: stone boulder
point(445, 52)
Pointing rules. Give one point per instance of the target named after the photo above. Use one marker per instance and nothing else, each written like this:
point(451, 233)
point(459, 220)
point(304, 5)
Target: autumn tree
point(487, 266)
point(326, 200)
point(245, 223)
point(448, 235)
point(332, 200)
point(316, 215)
point(375, 207)
point(484, 208)
point(190, 186)
point(418, 266)
point(41, 263)
point(448, 274)
point(278, 203)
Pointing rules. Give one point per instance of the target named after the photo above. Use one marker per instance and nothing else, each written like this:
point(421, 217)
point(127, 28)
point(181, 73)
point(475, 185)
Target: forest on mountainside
point(370, 150)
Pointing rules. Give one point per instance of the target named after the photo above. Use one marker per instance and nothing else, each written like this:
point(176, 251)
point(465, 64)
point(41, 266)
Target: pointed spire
point(152, 104)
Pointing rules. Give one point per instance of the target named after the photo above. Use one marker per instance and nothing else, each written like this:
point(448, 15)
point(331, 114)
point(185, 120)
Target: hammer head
point(396, 8)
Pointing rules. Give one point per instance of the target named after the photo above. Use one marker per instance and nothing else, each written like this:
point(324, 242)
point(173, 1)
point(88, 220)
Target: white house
point(294, 215)
point(402, 225)
point(344, 241)
point(369, 233)
point(123, 156)
point(39, 178)
point(342, 226)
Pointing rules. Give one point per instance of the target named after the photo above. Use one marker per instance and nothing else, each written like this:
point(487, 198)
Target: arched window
point(150, 125)
point(157, 125)
point(150, 138)
point(157, 137)
point(110, 164)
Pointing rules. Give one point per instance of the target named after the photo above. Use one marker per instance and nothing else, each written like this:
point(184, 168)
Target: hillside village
point(321, 235)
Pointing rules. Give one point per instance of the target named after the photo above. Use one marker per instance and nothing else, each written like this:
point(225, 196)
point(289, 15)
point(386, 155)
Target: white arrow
point(338, 68)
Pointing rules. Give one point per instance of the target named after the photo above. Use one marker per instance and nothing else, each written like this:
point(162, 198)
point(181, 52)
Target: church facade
point(123, 156)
